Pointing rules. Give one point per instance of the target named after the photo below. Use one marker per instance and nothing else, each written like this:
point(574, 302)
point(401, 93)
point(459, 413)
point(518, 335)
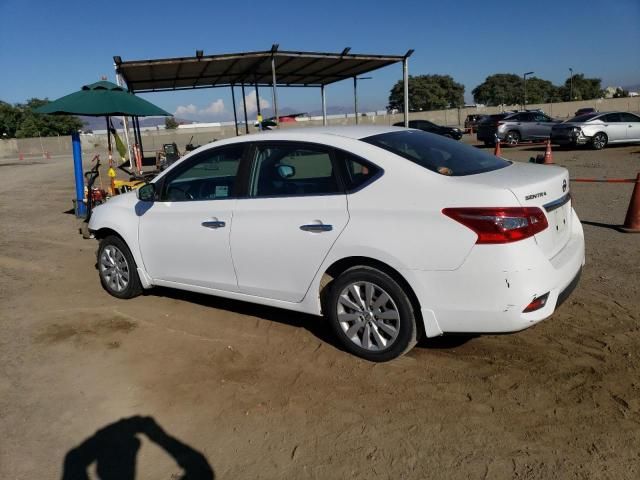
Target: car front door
point(633, 126)
point(295, 210)
point(184, 235)
point(614, 127)
point(543, 126)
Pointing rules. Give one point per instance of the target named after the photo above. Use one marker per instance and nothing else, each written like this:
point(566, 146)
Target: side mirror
point(147, 192)
point(286, 171)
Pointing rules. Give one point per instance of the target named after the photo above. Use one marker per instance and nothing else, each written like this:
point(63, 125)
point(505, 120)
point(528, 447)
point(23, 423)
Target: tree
point(170, 123)
point(541, 91)
point(428, 92)
point(500, 89)
point(583, 88)
point(9, 120)
point(21, 121)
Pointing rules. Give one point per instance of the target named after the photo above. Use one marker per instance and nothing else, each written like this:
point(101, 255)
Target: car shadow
point(610, 226)
point(114, 450)
point(446, 342)
point(315, 325)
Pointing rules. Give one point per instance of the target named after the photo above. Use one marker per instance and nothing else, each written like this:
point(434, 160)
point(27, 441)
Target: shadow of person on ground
point(114, 449)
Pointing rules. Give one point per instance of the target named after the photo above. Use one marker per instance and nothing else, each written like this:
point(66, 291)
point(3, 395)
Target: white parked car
point(389, 233)
point(598, 129)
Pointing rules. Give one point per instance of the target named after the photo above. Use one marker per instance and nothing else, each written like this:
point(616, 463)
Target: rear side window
point(357, 171)
point(292, 170)
point(436, 153)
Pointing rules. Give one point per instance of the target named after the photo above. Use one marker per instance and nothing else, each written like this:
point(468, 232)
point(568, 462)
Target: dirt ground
point(172, 382)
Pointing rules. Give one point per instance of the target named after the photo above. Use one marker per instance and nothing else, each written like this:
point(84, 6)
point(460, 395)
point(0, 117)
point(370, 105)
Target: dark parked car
point(584, 111)
point(472, 121)
point(430, 127)
point(516, 127)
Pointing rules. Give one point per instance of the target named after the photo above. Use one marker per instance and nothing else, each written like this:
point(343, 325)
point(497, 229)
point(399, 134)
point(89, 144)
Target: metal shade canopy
point(101, 99)
point(295, 69)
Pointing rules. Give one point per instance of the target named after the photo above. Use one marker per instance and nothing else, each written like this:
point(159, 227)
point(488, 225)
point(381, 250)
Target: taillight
point(500, 224)
point(537, 303)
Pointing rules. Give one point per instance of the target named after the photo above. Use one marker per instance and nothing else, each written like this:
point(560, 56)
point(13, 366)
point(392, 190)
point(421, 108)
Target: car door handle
point(214, 224)
point(316, 227)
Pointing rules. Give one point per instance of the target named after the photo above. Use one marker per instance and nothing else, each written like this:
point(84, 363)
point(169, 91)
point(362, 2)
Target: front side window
point(629, 117)
point(211, 175)
point(612, 118)
point(292, 170)
point(436, 153)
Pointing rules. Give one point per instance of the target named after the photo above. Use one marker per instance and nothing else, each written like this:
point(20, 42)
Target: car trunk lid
point(543, 186)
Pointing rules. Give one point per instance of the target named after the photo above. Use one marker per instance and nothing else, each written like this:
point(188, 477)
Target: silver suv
point(516, 127)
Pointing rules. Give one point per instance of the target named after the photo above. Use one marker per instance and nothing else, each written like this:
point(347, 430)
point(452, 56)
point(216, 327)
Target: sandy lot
point(223, 389)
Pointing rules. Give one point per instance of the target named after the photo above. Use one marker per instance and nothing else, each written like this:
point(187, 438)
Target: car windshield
point(584, 118)
point(436, 153)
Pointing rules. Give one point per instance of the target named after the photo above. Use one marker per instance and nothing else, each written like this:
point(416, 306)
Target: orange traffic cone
point(632, 221)
point(548, 155)
point(497, 152)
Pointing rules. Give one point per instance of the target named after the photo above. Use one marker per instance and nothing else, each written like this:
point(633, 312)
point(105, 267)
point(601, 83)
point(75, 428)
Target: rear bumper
point(486, 135)
point(489, 292)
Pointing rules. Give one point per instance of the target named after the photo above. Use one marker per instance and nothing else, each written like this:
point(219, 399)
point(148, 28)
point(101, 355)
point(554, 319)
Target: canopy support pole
point(275, 89)
point(355, 97)
point(324, 106)
point(258, 113)
point(244, 105)
point(235, 113)
point(125, 123)
point(405, 79)
point(137, 120)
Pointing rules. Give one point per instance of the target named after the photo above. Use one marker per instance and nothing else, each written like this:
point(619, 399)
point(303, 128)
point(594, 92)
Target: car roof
point(356, 132)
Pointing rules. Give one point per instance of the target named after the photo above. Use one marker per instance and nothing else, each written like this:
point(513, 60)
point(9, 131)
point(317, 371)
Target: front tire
point(599, 141)
point(371, 314)
point(512, 138)
point(117, 268)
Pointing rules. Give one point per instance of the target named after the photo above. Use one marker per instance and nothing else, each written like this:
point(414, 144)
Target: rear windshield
point(436, 153)
point(584, 118)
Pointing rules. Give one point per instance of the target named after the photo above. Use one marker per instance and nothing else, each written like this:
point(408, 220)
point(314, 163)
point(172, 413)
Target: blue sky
point(50, 48)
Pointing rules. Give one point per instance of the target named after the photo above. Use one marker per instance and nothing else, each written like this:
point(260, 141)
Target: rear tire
point(117, 268)
point(371, 314)
point(599, 141)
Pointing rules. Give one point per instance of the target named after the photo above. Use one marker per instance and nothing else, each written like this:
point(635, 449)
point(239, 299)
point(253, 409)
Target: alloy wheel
point(114, 268)
point(368, 316)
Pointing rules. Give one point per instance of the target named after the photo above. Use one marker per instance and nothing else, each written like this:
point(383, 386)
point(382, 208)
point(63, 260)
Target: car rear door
point(633, 126)
point(184, 235)
point(295, 210)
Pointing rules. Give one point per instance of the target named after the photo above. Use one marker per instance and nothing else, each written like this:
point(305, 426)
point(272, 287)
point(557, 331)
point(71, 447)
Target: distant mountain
point(99, 123)
point(632, 88)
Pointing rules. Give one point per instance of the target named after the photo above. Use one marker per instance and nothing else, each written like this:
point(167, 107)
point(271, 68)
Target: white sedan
point(390, 233)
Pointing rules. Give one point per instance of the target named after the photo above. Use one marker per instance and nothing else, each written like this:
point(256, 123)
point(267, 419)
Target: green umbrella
point(102, 98)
